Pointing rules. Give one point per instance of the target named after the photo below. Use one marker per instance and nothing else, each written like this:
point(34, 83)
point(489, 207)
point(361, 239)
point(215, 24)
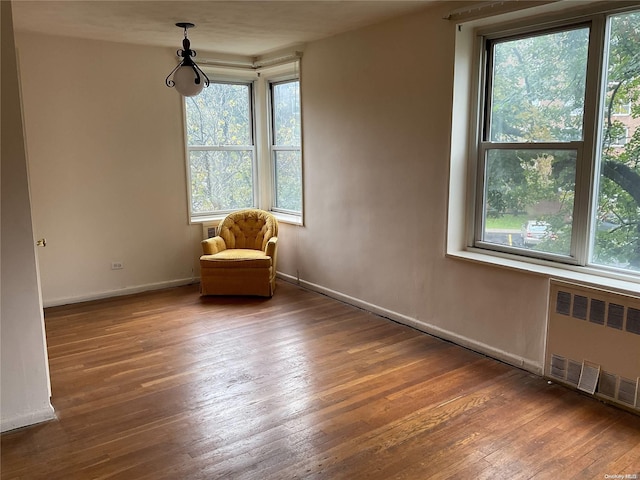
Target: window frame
point(273, 148)
point(470, 86)
point(196, 217)
point(585, 162)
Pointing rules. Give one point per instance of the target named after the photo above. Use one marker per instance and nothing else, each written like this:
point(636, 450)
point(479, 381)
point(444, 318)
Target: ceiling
point(236, 27)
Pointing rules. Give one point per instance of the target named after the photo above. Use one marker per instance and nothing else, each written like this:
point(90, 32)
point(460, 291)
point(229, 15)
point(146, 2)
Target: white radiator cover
point(593, 342)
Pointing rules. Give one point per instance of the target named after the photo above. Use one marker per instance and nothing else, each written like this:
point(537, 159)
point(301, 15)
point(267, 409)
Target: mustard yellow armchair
point(241, 259)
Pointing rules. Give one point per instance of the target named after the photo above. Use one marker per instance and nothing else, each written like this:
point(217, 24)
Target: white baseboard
point(23, 420)
point(506, 357)
point(120, 292)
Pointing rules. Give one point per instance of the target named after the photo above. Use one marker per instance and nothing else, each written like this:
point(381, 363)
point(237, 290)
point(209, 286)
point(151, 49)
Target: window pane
point(616, 226)
point(529, 197)
point(219, 115)
point(538, 87)
point(286, 114)
point(288, 174)
point(287, 163)
point(221, 180)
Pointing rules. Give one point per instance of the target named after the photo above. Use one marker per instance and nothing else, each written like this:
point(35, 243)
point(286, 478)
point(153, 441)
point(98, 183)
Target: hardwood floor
point(168, 385)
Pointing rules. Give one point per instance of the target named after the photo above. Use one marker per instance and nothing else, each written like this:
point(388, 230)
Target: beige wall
point(25, 389)
point(377, 115)
point(107, 163)
point(106, 153)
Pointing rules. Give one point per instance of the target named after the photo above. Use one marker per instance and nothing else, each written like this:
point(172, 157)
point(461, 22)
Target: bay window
point(243, 142)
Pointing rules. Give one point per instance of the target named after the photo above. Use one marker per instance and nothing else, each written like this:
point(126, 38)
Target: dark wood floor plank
point(169, 385)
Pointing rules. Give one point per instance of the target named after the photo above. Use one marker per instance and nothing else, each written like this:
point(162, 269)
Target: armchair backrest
point(248, 229)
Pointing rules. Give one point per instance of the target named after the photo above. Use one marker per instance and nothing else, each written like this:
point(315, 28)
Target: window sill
point(213, 220)
point(287, 218)
point(616, 282)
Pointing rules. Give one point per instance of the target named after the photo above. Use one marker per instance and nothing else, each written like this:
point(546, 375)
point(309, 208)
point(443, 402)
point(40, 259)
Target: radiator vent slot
point(563, 303)
point(633, 321)
point(593, 340)
point(573, 372)
point(607, 384)
point(628, 392)
point(615, 317)
point(580, 307)
point(558, 367)
point(596, 312)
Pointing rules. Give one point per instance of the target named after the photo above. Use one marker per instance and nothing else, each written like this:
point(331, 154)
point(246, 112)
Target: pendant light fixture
point(187, 76)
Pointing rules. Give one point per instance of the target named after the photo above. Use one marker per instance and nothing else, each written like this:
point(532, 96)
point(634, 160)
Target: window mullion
point(261, 131)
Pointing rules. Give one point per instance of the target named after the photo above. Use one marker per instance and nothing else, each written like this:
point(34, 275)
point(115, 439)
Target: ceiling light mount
point(185, 25)
point(187, 75)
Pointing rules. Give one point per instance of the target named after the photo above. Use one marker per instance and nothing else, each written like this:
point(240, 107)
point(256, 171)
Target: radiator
point(209, 230)
point(593, 342)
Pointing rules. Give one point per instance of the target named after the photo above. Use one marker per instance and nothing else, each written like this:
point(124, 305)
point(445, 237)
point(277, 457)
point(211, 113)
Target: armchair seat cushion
point(236, 258)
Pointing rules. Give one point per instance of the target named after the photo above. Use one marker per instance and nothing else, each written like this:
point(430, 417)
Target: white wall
point(377, 109)
point(25, 372)
point(106, 154)
point(107, 161)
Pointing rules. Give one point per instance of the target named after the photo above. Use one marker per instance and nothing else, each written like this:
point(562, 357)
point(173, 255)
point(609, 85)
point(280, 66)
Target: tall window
point(219, 126)
point(285, 146)
point(554, 182)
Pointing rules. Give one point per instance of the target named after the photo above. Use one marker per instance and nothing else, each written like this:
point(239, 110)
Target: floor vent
point(593, 340)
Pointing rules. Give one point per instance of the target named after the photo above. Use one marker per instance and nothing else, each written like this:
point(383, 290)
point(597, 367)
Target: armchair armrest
point(213, 245)
point(270, 249)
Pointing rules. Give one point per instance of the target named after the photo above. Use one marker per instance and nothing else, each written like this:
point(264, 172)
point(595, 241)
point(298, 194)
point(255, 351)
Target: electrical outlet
point(117, 265)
